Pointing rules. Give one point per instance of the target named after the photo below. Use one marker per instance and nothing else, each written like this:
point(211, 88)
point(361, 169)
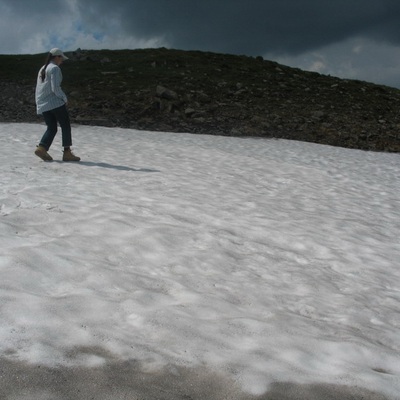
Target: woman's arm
point(55, 80)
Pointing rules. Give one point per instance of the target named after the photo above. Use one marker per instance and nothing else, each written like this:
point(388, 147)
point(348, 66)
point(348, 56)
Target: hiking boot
point(69, 156)
point(42, 153)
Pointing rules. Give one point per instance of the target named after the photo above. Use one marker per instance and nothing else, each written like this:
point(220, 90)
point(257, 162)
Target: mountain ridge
point(209, 93)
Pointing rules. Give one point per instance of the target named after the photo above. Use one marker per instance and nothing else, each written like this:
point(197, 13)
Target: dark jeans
point(51, 118)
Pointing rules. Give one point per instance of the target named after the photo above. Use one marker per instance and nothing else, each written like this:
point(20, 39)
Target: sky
point(354, 39)
point(261, 261)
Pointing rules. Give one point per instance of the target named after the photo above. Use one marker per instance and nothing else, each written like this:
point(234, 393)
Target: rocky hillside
point(199, 92)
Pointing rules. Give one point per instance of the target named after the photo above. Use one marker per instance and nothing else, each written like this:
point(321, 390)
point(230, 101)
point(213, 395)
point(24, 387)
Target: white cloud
point(356, 58)
point(358, 49)
point(318, 66)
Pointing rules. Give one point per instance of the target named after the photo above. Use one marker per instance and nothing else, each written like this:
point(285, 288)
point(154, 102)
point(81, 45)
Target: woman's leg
point(61, 113)
point(48, 137)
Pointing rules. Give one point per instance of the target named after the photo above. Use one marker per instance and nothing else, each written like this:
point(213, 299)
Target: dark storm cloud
point(250, 26)
point(354, 39)
point(44, 8)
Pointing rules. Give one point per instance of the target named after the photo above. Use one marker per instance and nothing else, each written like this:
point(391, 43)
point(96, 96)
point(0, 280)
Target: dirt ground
point(128, 381)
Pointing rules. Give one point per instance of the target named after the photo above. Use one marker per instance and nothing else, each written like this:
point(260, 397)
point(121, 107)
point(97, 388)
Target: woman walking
point(51, 102)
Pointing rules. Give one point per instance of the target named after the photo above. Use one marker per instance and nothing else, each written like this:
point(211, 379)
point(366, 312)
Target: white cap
point(58, 52)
